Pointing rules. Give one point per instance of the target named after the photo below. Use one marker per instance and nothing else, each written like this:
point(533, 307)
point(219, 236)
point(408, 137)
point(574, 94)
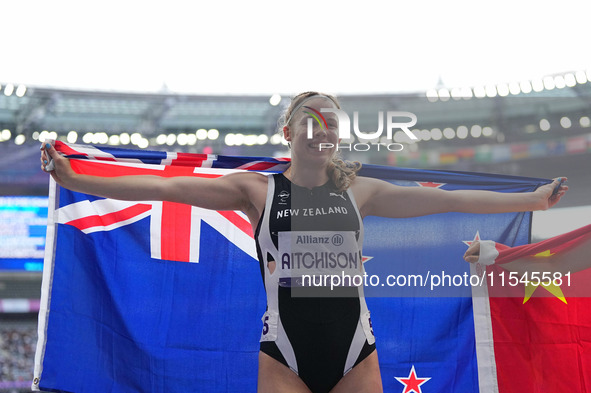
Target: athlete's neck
point(306, 176)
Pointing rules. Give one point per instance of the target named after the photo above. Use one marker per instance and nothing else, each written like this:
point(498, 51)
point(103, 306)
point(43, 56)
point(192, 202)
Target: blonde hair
point(341, 172)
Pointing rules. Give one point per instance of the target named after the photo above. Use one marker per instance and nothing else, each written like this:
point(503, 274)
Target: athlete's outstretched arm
point(230, 192)
point(380, 198)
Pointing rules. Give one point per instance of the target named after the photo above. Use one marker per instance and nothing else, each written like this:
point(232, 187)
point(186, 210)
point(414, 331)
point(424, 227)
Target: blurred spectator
point(17, 353)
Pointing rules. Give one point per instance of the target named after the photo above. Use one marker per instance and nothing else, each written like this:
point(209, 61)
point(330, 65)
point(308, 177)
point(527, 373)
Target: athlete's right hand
point(62, 171)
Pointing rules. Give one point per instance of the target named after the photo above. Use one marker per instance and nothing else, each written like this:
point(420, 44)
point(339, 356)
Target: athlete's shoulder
point(365, 183)
point(364, 188)
point(246, 182)
point(252, 187)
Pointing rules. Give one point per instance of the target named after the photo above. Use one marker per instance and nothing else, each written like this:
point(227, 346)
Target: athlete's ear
point(287, 133)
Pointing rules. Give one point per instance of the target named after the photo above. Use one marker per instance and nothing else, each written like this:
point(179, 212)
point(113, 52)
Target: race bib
point(270, 321)
point(319, 258)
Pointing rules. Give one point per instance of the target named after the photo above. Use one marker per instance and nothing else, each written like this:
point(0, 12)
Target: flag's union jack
point(172, 225)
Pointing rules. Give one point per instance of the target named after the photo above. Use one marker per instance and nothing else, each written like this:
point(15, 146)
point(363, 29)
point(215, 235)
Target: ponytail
point(342, 173)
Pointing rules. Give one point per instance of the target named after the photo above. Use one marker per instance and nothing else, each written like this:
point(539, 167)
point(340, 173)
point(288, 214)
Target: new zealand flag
point(162, 297)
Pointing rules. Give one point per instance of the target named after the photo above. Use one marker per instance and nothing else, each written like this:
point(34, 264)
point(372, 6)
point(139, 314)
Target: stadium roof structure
point(514, 113)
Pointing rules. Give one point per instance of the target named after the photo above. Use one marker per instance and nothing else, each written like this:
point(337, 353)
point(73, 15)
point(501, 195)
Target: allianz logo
point(335, 240)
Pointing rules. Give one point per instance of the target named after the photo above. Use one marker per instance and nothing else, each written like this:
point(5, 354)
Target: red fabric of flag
point(542, 333)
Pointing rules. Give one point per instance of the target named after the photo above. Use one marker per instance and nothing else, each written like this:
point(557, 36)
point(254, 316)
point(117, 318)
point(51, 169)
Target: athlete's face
point(322, 145)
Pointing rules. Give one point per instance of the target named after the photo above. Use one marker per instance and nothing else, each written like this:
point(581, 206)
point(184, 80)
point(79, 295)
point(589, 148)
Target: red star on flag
point(469, 242)
point(412, 383)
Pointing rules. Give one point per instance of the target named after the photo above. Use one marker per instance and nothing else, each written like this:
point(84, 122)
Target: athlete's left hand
point(473, 252)
point(548, 196)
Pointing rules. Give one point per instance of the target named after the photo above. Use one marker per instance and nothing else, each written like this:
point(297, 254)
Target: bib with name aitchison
point(306, 237)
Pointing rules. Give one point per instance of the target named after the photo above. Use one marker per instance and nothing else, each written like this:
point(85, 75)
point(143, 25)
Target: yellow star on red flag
point(551, 287)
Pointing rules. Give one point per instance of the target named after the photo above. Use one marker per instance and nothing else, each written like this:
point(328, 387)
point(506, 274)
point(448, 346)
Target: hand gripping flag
point(160, 297)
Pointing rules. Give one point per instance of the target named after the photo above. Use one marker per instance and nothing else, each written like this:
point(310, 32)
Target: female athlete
point(321, 343)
